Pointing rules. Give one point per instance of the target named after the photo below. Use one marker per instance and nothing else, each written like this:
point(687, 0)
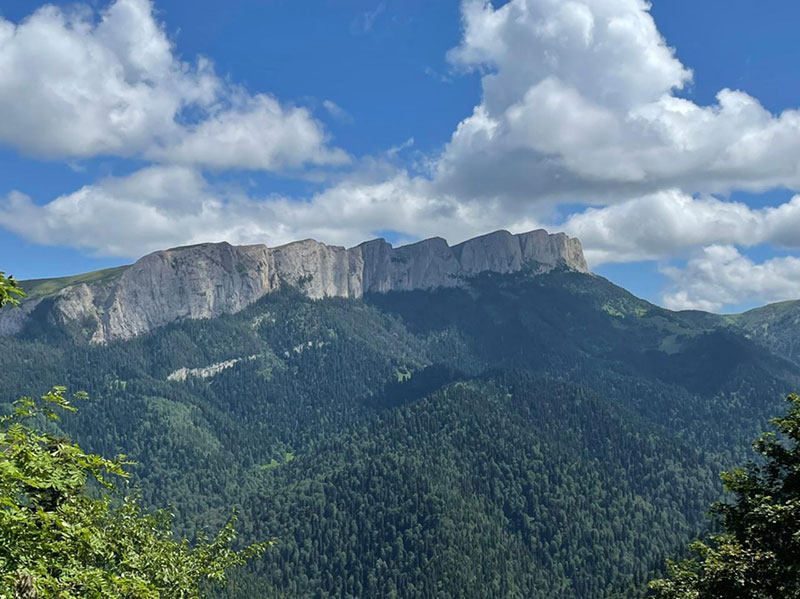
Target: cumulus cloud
point(719, 275)
point(163, 206)
point(579, 104)
point(671, 222)
point(109, 217)
point(76, 86)
point(255, 133)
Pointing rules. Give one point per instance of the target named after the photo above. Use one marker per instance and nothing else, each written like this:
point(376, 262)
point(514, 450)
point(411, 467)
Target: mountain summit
point(210, 279)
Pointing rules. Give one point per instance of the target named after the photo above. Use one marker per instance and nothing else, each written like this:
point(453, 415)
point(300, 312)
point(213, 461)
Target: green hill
point(776, 326)
point(43, 287)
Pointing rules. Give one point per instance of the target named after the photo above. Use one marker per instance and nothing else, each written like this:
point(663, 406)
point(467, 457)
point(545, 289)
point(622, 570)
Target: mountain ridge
point(210, 279)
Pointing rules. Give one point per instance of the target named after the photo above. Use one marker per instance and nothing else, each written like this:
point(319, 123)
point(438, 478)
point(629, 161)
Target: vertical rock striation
point(210, 279)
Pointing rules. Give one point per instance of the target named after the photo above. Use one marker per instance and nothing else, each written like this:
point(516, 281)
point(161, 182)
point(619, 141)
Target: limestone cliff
point(210, 279)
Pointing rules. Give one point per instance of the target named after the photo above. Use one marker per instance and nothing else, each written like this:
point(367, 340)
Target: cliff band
point(210, 279)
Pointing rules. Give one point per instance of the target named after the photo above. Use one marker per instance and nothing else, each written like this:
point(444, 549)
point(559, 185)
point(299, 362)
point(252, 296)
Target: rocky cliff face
point(207, 280)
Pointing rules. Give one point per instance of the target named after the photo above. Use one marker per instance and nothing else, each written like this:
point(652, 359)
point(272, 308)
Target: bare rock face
point(201, 281)
point(320, 270)
point(496, 252)
point(422, 265)
point(210, 279)
point(12, 321)
point(550, 249)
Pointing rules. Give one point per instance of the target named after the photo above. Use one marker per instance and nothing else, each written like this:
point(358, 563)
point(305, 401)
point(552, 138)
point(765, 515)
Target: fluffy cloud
point(75, 87)
point(255, 133)
point(671, 222)
point(148, 208)
point(164, 206)
point(720, 275)
point(579, 104)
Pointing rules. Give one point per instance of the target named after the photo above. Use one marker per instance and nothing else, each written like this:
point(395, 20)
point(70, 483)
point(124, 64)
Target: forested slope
point(547, 436)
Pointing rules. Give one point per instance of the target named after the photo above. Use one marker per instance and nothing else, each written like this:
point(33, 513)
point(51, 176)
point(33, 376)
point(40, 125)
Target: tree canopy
point(65, 533)
point(10, 291)
point(757, 556)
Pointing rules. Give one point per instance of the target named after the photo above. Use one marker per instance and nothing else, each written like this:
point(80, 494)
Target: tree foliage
point(65, 533)
point(757, 556)
point(10, 291)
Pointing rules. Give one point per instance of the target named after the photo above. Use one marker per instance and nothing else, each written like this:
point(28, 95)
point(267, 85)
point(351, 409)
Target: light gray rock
point(201, 281)
point(205, 372)
point(496, 252)
point(319, 270)
point(423, 265)
point(12, 320)
point(549, 249)
point(210, 279)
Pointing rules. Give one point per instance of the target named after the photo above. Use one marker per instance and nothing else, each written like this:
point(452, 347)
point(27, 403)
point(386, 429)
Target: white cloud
point(73, 86)
point(365, 21)
point(395, 151)
point(720, 276)
point(337, 112)
point(151, 208)
point(255, 133)
point(579, 105)
point(164, 206)
point(671, 222)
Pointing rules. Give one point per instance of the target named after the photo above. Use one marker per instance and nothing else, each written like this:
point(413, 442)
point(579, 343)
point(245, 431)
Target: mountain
point(206, 280)
point(537, 432)
point(776, 326)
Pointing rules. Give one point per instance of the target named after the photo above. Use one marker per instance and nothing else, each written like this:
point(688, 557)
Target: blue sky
point(132, 126)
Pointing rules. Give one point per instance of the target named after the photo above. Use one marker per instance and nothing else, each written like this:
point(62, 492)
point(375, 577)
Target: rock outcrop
point(210, 279)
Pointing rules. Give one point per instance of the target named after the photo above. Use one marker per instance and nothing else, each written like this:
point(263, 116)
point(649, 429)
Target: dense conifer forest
point(524, 437)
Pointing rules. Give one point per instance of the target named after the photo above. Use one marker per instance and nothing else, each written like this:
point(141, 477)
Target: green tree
point(10, 291)
point(65, 533)
point(758, 554)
